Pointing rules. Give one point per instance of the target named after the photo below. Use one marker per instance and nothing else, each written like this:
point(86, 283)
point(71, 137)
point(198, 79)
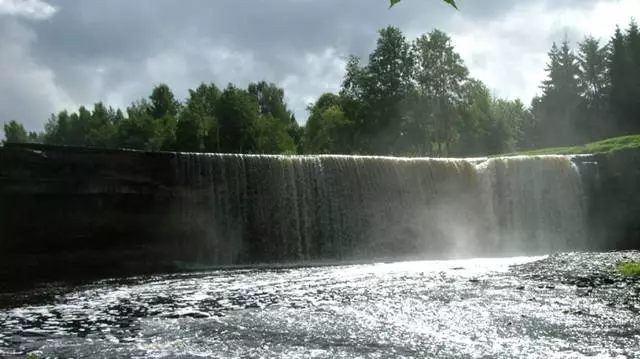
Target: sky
point(61, 54)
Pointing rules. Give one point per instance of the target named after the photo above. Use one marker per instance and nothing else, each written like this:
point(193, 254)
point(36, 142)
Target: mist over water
point(306, 208)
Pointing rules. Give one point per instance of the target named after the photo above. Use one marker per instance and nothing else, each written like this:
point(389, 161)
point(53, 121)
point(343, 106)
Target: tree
point(558, 108)
point(198, 119)
point(296, 132)
point(15, 132)
point(625, 78)
point(164, 134)
point(68, 128)
point(506, 129)
point(56, 128)
point(476, 120)
point(386, 85)
point(592, 61)
point(237, 113)
point(102, 126)
point(618, 72)
point(137, 129)
point(164, 109)
point(272, 107)
point(353, 96)
point(163, 102)
point(593, 82)
point(439, 74)
point(413, 99)
point(328, 129)
point(271, 136)
point(270, 99)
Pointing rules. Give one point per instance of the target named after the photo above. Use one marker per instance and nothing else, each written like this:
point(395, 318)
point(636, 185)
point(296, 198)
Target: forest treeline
point(409, 98)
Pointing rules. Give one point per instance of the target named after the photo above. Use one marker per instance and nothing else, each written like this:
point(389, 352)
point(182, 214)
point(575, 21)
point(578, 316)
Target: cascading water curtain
point(259, 208)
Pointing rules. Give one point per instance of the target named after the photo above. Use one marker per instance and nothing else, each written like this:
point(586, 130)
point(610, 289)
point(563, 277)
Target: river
point(565, 305)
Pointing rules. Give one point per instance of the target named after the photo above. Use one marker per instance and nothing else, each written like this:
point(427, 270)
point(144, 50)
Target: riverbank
point(629, 269)
point(609, 145)
point(588, 275)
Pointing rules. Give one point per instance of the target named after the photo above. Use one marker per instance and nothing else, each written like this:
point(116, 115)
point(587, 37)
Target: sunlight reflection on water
point(452, 308)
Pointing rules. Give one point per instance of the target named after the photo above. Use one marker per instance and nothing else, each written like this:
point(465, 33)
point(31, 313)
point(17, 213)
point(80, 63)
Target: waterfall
point(264, 208)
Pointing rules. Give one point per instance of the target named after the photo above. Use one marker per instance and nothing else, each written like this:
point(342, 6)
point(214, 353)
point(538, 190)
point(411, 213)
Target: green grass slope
point(629, 269)
point(604, 146)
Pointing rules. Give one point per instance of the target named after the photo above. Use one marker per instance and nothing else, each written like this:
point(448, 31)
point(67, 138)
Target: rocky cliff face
point(612, 187)
point(73, 212)
point(79, 211)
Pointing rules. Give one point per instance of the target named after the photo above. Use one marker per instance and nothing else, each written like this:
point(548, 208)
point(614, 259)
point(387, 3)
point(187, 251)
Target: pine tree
point(633, 96)
point(592, 59)
point(557, 110)
point(620, 77)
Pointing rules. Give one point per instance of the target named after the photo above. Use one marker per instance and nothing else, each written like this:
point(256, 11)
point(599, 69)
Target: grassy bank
point(604, 146)
point(629, 269)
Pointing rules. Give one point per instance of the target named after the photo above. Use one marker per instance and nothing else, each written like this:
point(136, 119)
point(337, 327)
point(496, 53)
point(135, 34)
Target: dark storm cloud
point(116, 50)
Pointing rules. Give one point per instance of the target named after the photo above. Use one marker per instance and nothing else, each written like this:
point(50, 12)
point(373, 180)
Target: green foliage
point(276, 128)
point(15, 132)
point(198, 119)
point(385, 84)
point(405, 98)
point(558, 108)
point(102, 126)
point(238, 117)
point(629, 269)
point(624, 75)
point(137, 130)
point(593, 82)
point(328, 129)
point(163, 102)
point(440, 75)
point(413, 99)
point(271, 136)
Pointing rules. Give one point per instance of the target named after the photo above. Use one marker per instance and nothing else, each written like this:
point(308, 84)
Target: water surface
point(564, 305)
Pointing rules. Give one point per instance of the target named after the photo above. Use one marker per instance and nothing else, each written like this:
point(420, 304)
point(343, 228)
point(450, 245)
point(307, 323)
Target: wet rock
point(188, 314)
point(253, 305)
point(581, 292)
point(578, 312)
point(584, 283)
point(33, 333)
point(161, 300)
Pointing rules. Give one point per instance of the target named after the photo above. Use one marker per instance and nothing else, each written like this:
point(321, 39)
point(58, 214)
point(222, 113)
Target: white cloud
point(34, 9)
point(318, 73)
point(509, 53)
point(28, 89)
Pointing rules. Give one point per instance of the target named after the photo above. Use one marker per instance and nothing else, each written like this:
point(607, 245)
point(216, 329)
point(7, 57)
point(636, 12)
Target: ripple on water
point(511, 307)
